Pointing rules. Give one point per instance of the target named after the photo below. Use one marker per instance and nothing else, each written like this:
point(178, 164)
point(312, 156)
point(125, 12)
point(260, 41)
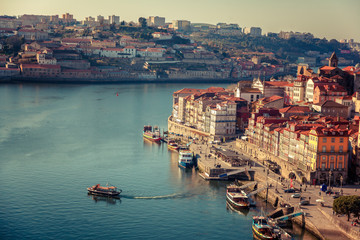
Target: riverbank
point(52, 80)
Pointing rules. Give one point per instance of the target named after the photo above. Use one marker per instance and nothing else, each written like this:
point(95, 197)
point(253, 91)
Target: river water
point(57, 140)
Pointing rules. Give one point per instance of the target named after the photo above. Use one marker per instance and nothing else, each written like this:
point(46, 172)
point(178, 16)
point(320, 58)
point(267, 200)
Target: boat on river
point(237, 197)
point(172, 145)
point(262, 230)
point(109, 191)
point(186, 158)
point(152, 134)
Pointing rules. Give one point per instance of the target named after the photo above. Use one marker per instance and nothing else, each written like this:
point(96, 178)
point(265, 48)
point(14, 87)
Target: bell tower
point(333, 60)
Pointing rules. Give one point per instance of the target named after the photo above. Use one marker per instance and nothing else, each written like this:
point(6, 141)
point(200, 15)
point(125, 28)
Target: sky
point(332, 19)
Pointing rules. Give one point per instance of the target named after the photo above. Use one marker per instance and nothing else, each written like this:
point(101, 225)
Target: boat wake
point(170, 196)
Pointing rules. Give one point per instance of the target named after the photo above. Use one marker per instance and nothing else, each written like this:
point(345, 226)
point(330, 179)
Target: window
point(324, 158)
point(340, 158)
point(332, 149)
point(323, 166)
point(324, 149)
point(341, 149)
point(340, 165)
point(324, 140)
point(332, 166)
point(332, 140)
point(332, 158)
point(341, 140)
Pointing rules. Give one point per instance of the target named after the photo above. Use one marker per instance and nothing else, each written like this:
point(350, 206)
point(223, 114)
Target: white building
point(253, 31)
point(223, 118)
point(114, 19)
point(151, 52)
point(156, 21)
point(181, 25)
point(162, 35)
point(309, 90)
point(118, 52)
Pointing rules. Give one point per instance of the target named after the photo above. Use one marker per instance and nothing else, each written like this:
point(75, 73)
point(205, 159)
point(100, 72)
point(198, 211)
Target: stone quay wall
point(261, 155)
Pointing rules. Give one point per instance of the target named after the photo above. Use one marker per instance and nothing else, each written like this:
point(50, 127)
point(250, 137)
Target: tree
point(347, 205)
point(13, 44)
point(142, 22)
point(122, 23)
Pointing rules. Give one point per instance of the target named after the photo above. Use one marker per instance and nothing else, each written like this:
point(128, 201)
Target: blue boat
point(186, 158)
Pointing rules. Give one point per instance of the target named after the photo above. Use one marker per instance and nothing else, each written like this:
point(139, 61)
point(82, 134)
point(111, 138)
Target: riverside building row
point(312, 144)
point(207, 114)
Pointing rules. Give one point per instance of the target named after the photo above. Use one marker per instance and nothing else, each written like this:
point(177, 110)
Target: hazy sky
point(324, 18)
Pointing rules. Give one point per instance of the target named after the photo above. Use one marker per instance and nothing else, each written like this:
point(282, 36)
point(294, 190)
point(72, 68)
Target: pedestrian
point(319, 193)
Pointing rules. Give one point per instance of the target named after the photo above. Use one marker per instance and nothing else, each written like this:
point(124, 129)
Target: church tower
point(333, 60)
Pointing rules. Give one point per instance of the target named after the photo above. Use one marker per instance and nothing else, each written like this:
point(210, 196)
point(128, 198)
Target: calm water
point(55, 141)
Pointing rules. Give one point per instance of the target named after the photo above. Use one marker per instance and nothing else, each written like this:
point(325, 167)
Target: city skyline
point(320, 18)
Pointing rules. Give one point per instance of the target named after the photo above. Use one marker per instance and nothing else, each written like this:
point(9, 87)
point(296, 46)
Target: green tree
point(13, 44)
point(142, 22)
point(347, 205)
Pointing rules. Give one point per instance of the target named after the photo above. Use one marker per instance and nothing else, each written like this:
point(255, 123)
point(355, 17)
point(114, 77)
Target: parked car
point(304, 202)
point(290, 190)
point(329, 192)
point(296, 195)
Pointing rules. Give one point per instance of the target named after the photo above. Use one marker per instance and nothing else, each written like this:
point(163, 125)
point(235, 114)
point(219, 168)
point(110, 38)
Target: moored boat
point(172, 145)
point(262, 230)
point(237, 197)
point(152, 134)
point(185, 158)
point(110, 191)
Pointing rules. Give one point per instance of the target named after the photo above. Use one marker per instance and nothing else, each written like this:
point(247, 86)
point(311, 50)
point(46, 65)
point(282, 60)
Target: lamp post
point(330, 173)
point(341, 180)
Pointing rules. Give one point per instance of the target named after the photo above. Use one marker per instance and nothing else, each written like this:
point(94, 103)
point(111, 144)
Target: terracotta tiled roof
point(42, 66)
point(295, 109)
point(332, 104)
point(189, 90)
point(326, 68)
point(250, 90)
point(215, 89)
point(277, 83)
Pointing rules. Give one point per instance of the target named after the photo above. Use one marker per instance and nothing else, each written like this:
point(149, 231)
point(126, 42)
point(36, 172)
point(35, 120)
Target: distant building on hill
point(253, 31)
point(181, 25)
point(156, 21)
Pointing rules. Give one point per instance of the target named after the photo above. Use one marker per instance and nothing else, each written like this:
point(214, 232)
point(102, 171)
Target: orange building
point(329, 153)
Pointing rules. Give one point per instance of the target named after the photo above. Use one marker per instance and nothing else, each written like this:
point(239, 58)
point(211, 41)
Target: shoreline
point(16, 80)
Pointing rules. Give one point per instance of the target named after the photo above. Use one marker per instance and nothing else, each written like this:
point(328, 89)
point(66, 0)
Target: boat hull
point(156, 139)
point(237, 206)
point(108, 194)
point(173, 148)
point(185, 165)
point(261, 236)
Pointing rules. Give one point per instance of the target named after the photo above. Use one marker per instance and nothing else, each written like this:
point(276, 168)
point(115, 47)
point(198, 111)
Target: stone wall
point(286, 168)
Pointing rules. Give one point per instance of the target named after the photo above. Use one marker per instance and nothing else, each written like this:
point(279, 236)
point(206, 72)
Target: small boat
point(262, 230)
point(186, 158)
point(172, 145)
point(152, 134)
point(237, 197)
point(109, 191)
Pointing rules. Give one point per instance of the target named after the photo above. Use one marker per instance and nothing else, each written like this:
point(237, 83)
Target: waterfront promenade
point(319, 220)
